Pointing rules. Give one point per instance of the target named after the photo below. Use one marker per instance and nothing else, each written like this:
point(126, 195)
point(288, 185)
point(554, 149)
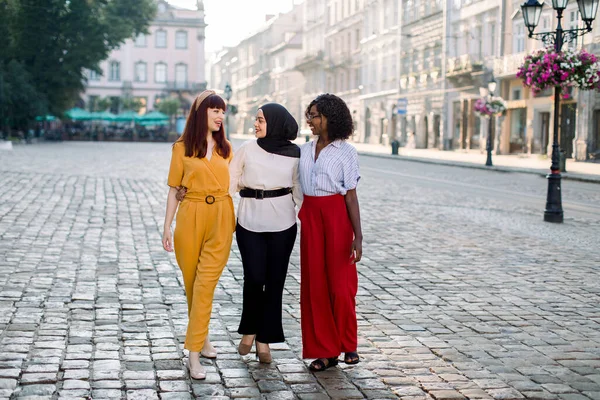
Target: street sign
point(401, 106)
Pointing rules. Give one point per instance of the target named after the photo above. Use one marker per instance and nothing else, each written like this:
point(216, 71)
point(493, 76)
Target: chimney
point(268, 17)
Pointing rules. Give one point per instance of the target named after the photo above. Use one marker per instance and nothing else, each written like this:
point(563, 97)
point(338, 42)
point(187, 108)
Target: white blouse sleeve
point(351, 170)
point(236, 169)
point(296, 187)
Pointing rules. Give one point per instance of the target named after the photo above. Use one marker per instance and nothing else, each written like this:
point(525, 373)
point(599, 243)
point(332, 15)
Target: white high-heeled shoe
point(198, 372)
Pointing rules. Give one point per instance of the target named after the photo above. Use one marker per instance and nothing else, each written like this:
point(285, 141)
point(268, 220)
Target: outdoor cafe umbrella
point(45, 118)
point(78, 114)
point(103, 116)
point(126, 116)
point(153, 123)
point(152, 116)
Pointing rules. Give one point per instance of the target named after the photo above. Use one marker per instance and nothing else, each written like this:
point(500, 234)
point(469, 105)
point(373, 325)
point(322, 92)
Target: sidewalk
point(531, 164)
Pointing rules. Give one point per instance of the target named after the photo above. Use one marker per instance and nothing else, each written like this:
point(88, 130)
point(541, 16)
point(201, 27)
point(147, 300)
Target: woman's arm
point(297, 195)
point(236, 169)
point(172, 203)
point(354, 214)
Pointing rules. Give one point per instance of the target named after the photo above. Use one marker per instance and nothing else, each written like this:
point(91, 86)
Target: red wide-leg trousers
point(329, 280)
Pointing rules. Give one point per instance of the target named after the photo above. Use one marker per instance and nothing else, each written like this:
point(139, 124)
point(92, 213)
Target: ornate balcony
point(309, 61)
point(507, 66)
point(463, 65)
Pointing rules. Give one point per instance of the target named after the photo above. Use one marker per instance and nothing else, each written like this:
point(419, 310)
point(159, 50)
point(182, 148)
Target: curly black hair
point(339, 119)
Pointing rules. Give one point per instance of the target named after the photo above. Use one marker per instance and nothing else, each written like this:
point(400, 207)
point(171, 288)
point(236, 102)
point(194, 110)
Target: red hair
point(196, 130)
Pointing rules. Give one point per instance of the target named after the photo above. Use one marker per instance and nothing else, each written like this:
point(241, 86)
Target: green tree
point(20, 102)
point(132, 104)
point(103, 104)
point(169, 106)
point(56, 41)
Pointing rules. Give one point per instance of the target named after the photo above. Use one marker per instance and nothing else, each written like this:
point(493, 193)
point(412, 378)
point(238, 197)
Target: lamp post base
point(554, 211)
point(488, 161)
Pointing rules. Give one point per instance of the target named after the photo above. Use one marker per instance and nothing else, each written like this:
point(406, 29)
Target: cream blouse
point(254, 168)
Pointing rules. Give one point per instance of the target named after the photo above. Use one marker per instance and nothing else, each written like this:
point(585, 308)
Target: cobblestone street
point(464, 291)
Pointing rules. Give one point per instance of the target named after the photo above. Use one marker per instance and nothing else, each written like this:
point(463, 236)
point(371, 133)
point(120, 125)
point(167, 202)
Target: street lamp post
point(491, 90)
point(228, 92)
point(532, 10)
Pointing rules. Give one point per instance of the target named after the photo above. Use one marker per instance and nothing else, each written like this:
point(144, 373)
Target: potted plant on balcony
point(547, 68)
point(490, 106)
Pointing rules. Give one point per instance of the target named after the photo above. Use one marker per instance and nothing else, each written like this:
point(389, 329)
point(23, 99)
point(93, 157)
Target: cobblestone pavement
point(464, 291)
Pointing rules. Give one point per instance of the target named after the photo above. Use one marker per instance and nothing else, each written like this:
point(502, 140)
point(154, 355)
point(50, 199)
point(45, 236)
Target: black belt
point(263, 194)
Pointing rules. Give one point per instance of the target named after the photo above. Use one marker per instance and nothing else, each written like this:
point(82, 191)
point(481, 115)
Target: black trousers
point(265, 257)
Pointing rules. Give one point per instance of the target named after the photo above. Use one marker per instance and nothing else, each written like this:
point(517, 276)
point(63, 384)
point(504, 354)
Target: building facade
point(474, 43)
point(311, 62)
point(412, 70)
point(422, 85)
point(168, 61)
point(380, 54)
point(343, 59)
point(263, 70)
point(587, 135)
point(527, 127)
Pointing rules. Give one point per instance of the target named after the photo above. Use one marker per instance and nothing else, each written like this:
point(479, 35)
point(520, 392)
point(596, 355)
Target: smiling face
point(260, 125)
point(215, 118)
point(316, 121)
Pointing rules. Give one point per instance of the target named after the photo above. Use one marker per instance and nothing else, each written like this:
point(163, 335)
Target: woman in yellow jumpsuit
point(205, 219)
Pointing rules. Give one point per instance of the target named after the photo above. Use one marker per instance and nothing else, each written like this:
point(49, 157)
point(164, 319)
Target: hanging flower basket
point(546, 69)
point(486, 107)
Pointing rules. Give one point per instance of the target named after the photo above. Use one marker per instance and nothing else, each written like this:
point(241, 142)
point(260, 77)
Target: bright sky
point(229, 21)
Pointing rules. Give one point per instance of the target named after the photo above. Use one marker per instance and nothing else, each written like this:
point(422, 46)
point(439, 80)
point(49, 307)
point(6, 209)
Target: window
point(93, 75)
point(405, 64)
point(160, 73)
point(437, 54)
point(140, 72)
point(426, 58)
point(415, 61)
point(408, 10)
point(181, 40)
point(114, 71)
point(492, 39)
point(516, 94)
point(181, 75)
point(161, 39)
point(573, 23)
point(140, 40)
point(92, 103)
point(479, 41)
point(519, 38)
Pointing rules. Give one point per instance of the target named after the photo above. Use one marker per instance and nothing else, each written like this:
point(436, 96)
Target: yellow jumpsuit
point(203, 233)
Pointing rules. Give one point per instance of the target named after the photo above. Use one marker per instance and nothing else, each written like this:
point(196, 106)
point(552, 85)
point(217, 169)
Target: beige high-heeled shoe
point(210, 353)
point(264, 356)
point(198, 372)
point(244, 349)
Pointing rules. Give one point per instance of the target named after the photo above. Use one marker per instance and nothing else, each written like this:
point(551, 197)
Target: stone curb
point(465, 164)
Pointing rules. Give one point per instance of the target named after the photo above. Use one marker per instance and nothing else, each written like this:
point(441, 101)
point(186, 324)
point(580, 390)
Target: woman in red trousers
point(330, 236)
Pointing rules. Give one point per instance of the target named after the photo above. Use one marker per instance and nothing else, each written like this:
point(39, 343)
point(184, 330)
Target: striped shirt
point(334, 172)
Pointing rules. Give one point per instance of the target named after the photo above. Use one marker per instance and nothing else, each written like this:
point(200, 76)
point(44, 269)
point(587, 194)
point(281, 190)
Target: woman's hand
point(181, 192)
point(356, 250)
point(167, 239)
